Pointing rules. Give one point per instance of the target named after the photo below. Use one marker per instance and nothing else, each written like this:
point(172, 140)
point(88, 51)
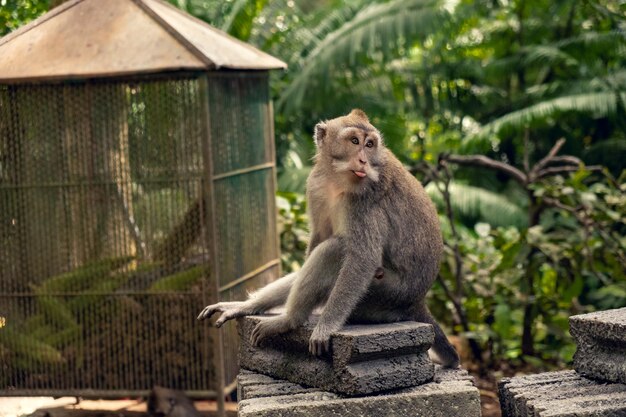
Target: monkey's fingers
point(208, 311)
point(319, 346)
point(229, 315)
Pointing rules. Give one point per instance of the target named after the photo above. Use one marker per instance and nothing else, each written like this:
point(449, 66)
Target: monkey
point(366, 212)
point(165, 402)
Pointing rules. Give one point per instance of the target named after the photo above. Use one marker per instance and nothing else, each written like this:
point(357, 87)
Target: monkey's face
point(352, 148)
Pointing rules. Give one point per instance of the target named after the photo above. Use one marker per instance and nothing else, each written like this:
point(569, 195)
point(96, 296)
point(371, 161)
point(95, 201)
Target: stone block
point(364, 358)
point(600, 344)
point(253, 385)
point(453, 396)
point(560, 394)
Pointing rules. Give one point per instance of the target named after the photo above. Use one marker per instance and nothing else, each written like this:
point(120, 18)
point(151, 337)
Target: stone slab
point(600, 344)
point(560, 394)
point(253, 385)
point(364, 359)
point(454, 395)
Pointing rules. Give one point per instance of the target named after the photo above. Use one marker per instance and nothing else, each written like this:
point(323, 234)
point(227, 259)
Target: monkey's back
point(414, 246)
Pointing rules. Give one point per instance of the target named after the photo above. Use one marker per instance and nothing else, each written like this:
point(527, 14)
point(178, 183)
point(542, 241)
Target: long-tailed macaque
point(366, 210)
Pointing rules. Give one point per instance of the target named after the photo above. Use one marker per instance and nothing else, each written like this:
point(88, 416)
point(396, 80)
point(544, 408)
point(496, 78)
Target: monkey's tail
point(442, 347)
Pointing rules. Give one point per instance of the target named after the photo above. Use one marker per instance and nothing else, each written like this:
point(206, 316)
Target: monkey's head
point(350, 149)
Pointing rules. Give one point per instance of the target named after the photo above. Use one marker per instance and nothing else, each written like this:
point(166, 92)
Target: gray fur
point(366, 210)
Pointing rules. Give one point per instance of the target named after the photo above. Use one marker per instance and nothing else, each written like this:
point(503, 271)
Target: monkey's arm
point(363, 256)
point(270, 296)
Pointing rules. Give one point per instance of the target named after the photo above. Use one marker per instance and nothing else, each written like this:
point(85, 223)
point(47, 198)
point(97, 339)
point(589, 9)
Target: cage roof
point(95, 38)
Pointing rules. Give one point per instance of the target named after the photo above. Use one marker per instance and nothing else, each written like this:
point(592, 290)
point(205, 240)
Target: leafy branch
point(550, 165)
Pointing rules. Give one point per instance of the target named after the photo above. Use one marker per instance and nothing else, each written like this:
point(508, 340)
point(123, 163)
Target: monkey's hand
point(319, 343)
point(269, 327)
point(229, 310)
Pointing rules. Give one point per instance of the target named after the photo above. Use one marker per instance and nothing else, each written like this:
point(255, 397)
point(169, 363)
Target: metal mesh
point(243, 188)
point(109, 213)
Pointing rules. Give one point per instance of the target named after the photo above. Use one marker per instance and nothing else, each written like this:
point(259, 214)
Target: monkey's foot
point(229, 310)
point(319, 343)
point(269, 327)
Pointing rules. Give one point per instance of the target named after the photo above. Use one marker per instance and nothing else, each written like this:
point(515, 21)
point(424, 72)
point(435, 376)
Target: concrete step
point(450, 394)
point(600, 344)
point(560, 394)
point(364, 359)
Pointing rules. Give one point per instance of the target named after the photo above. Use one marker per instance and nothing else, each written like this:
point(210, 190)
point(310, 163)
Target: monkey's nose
point(362, 161)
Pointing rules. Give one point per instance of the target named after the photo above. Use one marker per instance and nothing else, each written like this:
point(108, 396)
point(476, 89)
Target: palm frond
point(34, 351)
point(180, 281)
point(293, 180)
point(474, 204)
point(594, 41)
point(599, 104)
point(240, 20)
point(610, 153)
point(546, 55)
point(530, 56)
point(377, 28)
point(331, 21)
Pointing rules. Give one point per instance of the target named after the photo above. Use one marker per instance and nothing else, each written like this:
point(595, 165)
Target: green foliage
point(71, 307)
point(179, 281)
point(30, 351)
point(375, 28)
point(474, 204)
point(585, 242)
point(16, 13)
point(82, 277)
point(601, 104)
point(575, 258)
point(240, 20)
point(293, 229)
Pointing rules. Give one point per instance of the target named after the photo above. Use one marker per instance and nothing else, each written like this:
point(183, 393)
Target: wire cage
point(127, 203)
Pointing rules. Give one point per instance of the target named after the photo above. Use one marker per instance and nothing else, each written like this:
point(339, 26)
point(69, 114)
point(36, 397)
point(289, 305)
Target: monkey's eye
point(355, 140)
point(369, 144)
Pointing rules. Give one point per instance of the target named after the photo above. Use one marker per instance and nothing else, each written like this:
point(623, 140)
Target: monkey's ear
point(320, 133)
point(359, 113)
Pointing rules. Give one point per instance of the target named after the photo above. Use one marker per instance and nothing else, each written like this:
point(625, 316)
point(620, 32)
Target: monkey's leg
point(442, 347)
point(270, 296)
point(311, 288)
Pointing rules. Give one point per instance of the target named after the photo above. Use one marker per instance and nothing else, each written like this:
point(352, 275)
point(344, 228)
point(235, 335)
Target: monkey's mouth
point(360, 174)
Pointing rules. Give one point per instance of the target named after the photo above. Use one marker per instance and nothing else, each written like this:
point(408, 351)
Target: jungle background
point(511, 112)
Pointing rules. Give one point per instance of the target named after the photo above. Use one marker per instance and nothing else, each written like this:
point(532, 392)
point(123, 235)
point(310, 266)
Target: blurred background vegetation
point(535, 227)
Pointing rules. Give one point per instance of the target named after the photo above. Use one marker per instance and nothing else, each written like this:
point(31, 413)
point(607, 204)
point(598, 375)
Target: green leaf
point(377, 27)
point(574, 289)
point(239, 22)
point(600, 104)
point(80, 278)
point(26, 347)
point(503, 323)
point(180, 281)
point(475, 204)
point(548, 280)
